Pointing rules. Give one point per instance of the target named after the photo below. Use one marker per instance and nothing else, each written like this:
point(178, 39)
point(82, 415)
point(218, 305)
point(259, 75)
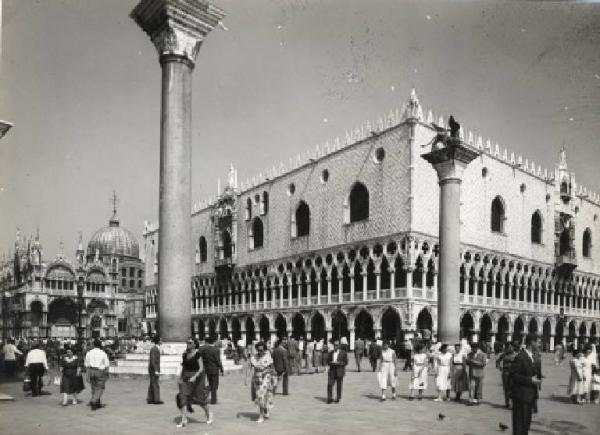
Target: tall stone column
point(449, 162)
point(177, 28)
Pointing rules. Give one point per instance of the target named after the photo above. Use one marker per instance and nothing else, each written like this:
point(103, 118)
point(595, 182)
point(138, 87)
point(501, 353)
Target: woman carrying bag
point(71, 382)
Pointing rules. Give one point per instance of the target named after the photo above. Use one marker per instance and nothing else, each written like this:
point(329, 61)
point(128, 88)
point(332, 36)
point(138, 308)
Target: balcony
point(566, 262)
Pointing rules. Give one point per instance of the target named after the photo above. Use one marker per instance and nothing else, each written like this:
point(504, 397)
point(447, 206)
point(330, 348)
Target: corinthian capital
point(177, 27)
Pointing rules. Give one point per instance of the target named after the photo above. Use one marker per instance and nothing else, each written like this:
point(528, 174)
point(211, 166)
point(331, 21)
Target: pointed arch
point(358, 203)
point(498, 215)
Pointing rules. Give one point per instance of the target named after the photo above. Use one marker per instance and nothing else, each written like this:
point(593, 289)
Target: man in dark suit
point(211, 357)
point(281, 363)
point(524, 385)
point(359, 350)
point(153, 397)
point(374, 354)
point(338, 359)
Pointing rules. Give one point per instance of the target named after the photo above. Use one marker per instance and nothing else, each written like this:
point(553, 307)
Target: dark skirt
point(70, 382)
point(192, 392)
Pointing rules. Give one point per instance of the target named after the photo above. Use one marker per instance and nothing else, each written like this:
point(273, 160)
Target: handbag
point(57, 380)
point(26, 384)
point(46, 380)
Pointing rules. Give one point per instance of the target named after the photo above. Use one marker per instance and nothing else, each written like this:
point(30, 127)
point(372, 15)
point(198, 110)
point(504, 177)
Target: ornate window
point(536, 227)
point(357, 207)
point(264, 203)
point(248, 209)
point(301, 220)
point(586, 250)
point(256, 234)
point(498, 215)
point(203, 249)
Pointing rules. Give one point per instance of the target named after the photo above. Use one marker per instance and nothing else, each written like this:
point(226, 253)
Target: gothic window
point(587, 243)
point(536, 227)
point(264, 204)
point(256, 234)
point(564, 187)
point(358, 207)
point(565, 243)
point(498, 215)
point(248, 209)
point(227, 251)
point(301, 220)
point(202, 246)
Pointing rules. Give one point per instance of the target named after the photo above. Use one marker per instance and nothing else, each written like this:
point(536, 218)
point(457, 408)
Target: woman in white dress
point(442, 379)
point(576, 380)
point(386, 370)
point(418, 379)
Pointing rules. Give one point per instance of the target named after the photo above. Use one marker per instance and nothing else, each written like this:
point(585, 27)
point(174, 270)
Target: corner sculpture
point(445, 137)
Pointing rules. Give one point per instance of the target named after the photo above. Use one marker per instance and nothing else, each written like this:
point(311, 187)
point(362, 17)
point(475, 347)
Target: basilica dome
point(113, 240)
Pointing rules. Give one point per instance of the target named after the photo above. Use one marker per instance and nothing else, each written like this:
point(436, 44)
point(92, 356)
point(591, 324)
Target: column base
point(173, 348)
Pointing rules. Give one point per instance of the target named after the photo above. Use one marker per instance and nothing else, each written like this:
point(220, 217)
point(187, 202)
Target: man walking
point(338, 359)
point(504, 361)
point(281, 363)
point(359, 350)
point(96, 363)
point(525, 384)
point(374, 354)
point(211, 357)
point(153, 397)
point(476, 362)
point(10, 357)
point(36, 364)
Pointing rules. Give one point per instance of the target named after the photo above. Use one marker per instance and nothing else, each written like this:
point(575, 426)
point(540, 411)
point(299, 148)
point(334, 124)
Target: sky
point(81, 83)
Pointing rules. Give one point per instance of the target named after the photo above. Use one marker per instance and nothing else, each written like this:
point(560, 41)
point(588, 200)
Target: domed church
point(99, 294)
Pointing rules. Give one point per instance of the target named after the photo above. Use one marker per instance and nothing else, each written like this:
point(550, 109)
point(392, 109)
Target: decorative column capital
point(451, 161)
point(177, 27)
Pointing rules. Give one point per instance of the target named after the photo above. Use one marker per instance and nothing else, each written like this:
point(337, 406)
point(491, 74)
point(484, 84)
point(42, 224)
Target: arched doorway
point(298, 326)
point(236, 329)
point(424, 320)
point(339, 325)
point(36, 313)
point(503, 329)
point(212, 329)
point(582, 334)
point(281, 326)
point(518, 330)
point(317, 327)
point(62, 316)
point(485, 329)
point(201, 334)
point(264, 329)
point(250, 333)
point(594, 333)
point(546, 335)
point(572, 333)
point(391, 326)
point(560, 332)
point(533, 326)
point(223, 329)
point(466, 326)
point(363, 326)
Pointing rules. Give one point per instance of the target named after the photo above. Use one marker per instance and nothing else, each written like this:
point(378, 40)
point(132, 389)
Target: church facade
point(99, 294)
point(343, 242)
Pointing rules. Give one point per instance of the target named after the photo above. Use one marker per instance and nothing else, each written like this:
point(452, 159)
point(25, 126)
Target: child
point(595, 397)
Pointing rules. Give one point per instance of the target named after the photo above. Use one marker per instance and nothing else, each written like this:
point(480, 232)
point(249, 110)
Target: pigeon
point(441, 416)
point(502, 427)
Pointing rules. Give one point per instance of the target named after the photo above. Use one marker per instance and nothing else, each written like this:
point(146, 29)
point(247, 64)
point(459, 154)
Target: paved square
point(303, 412)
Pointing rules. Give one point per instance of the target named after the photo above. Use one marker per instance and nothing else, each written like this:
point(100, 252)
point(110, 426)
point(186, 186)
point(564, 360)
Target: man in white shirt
point(10, 358)
point(96, 363)
point(36, 365)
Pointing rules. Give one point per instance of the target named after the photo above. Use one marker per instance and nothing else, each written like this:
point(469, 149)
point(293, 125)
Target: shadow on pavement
point(248, 415)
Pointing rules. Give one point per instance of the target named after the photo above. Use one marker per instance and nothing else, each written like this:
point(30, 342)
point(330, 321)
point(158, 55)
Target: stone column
point(449, 162)
point(177, 29)
point(352, 338)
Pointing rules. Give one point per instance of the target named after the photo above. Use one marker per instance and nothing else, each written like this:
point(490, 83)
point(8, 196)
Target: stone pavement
point(303, 411)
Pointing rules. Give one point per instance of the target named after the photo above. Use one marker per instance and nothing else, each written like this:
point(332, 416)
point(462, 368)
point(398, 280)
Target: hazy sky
point(81, 83)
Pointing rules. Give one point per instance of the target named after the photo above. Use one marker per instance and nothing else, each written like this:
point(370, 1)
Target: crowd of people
point(457, 369)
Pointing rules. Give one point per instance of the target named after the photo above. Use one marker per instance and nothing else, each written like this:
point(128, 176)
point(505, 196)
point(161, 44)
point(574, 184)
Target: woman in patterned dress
point(264, 380)
point(418, 379)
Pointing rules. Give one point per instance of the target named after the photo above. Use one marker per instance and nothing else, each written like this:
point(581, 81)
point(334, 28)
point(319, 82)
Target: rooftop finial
point(114, 220)
point(562, 164)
